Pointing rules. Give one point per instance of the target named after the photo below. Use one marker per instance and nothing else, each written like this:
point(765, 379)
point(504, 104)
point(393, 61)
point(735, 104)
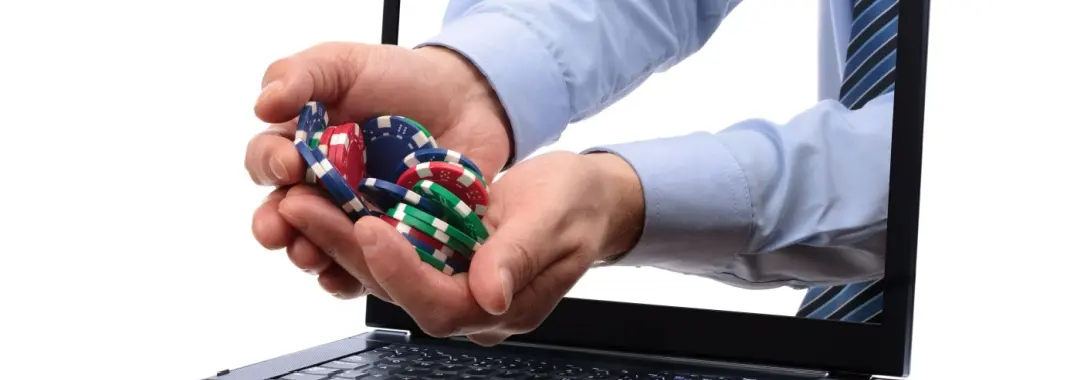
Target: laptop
point(641, 341)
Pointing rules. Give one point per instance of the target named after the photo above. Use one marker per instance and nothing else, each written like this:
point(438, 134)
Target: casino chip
point(314, 141)
point(345, 149)
point(396, 126)
point(418, 125)
point(325, 138)
point(332, 181)
point(434, 262)
point(406, 229)
point(387, 194)
point(455, 211)
point(432, 225)
point(439, 155)
point(446, 256)
point(460, 181)
point(384, 153)
point(321, 144)
point(429, 229)
point(311, 119)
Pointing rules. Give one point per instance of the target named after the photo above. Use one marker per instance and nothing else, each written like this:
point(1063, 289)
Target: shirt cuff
point(698, 214)
point(522, 71)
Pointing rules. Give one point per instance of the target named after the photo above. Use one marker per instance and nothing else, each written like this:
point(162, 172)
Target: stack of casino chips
point(391, 167)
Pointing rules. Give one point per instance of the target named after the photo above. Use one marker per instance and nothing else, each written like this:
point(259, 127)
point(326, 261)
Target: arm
point(760, 205)
point(552, 63)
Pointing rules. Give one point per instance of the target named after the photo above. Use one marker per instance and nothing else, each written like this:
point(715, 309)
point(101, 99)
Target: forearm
point(761, 205)
point(552, 63)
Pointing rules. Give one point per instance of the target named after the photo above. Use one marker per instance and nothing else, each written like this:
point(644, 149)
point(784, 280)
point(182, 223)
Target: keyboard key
point(541, 369)
point(424, 364)
point(479, 371)
point(508, 375)
point(364, 357)
point(451, 367)
point(414, 371)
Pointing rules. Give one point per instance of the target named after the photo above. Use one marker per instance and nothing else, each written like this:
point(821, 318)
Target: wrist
point(622, 196)
point(477, 94)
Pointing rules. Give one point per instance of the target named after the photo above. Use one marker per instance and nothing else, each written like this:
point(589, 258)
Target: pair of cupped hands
point(550, 216)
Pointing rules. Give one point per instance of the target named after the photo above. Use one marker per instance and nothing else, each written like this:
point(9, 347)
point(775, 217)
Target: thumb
point(509, 260)
point(323, 73)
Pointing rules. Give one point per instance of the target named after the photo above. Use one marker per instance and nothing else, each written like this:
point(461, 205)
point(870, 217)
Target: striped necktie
point(869, 72)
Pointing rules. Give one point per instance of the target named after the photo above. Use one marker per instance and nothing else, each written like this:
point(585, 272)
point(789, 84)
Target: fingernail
point(311, 272)
point(278, 169)
point(268, 90)
point(506, 286)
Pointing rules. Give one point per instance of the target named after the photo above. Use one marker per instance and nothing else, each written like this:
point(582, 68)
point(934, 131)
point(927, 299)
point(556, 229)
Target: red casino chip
point(325, 136)
point(457, 179)
point(345, 149)
point(431, 241)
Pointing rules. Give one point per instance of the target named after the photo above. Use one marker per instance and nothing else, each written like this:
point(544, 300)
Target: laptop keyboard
point(397, 361)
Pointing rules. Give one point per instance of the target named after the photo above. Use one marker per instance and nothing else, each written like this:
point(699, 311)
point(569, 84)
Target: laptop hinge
point(391, 334)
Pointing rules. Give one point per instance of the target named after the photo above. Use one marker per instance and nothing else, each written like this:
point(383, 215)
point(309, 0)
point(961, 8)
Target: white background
point(126, 208)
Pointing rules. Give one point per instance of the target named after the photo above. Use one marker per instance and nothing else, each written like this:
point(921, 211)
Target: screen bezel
point(882, 349)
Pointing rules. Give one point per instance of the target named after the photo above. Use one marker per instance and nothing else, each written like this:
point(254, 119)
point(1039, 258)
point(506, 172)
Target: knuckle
point(529, 263)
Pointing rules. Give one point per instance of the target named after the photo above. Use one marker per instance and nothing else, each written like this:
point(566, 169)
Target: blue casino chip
point(439, 155)
point(330, 178)
point(383, 155)
point(386, 195)
point(312, 118)
point(394, 126)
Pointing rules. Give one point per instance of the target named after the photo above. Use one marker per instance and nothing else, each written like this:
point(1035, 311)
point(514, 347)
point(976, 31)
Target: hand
point(551, 216)
point(356, 82)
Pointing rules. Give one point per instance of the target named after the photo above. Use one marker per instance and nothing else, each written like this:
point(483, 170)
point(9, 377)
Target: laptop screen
point(796, 100)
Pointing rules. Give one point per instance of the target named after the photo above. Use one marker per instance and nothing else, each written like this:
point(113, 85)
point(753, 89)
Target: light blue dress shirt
point(797, 204)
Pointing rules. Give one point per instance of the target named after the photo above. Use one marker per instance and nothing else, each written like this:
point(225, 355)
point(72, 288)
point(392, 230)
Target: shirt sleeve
point(555, 62)
point(763, 205)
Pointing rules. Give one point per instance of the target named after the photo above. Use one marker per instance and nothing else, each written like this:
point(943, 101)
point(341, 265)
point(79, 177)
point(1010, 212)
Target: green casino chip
point(314, 140)
point(456, 212)
point(438, 229)
point(433, 261)
point(425, 132)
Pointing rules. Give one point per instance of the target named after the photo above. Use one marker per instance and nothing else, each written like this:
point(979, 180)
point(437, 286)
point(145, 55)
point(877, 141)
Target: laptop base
point(386, 354)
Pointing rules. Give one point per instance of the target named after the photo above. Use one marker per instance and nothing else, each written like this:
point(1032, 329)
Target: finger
point(488, 338)
point(339, 283)
point(272, 159)
point(307, 256)
point(268, 227)
point(537, 299)
point(325, 73)
point(327, 227)
point(441, 304)
point(509, 260)
point(325, 224)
